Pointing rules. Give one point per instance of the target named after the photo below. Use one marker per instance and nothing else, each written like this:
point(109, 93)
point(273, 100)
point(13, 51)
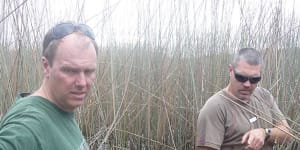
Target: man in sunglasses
point(44, 119)
point(242, 115)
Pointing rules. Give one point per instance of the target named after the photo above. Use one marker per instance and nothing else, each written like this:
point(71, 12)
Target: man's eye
point(88, 72)
point(68, 70)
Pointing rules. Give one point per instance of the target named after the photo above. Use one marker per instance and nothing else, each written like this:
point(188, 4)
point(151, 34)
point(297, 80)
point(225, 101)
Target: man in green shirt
point(44, 120)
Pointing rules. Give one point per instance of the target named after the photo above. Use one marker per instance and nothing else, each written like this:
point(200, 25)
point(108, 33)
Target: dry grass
point(148, 92)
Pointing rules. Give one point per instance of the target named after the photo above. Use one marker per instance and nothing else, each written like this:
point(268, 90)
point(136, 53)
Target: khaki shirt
point(223, 120)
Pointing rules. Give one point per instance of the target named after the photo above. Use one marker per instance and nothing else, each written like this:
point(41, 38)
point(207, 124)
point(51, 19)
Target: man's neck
point(229, 91)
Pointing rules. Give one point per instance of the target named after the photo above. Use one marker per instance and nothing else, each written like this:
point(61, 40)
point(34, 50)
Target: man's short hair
point(250, 55)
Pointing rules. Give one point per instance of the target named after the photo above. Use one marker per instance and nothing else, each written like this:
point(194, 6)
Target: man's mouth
point(245, 92)
point(79, 95)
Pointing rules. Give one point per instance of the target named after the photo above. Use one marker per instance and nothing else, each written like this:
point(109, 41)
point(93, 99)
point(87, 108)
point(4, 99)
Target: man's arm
point(18, 131)
point(255, 139)
point(280, 133)
point(17, 136)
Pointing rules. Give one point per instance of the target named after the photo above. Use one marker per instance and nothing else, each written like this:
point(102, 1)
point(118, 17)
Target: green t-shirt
point(34, 123)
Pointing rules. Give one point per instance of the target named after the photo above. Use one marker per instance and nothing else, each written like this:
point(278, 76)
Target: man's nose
point(247, 83)
point(81, 79)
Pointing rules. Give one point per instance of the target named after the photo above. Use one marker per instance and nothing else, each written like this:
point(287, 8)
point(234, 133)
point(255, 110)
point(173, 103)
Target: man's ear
point(230, 68)
point(46, 66)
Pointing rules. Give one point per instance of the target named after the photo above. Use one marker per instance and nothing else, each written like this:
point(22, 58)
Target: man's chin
point(76, 102)
point(244, 98)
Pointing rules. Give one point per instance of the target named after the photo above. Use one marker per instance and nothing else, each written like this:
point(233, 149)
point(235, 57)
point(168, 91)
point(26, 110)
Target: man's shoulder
point(262, 92)
point(216, 100)
point(263, 96)
point(28, 104)
point(25, 110)
point(25, 122)
point(217, 97)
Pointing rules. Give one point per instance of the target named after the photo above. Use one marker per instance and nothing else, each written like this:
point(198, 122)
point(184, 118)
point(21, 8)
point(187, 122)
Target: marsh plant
point(151, 86)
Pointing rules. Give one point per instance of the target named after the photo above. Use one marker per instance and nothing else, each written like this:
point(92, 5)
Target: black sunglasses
point(63, 29)
point(242, 78)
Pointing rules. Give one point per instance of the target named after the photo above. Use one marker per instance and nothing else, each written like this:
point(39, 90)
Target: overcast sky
point(123, 17)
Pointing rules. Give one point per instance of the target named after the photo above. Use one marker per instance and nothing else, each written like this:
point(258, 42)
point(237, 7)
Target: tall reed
point(150, 88)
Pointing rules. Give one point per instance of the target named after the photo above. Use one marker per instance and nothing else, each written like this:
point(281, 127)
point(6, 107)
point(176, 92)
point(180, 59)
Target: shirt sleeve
point(210, 126)
point(16, 133)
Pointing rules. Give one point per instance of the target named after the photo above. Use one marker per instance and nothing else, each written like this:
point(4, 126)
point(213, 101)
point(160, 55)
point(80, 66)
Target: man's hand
point(254, 139)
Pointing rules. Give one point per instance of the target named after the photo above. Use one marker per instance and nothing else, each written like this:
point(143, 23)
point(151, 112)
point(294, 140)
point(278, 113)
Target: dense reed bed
point(151, 86)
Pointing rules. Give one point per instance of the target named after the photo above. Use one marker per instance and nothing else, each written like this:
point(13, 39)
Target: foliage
point(149, 89)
